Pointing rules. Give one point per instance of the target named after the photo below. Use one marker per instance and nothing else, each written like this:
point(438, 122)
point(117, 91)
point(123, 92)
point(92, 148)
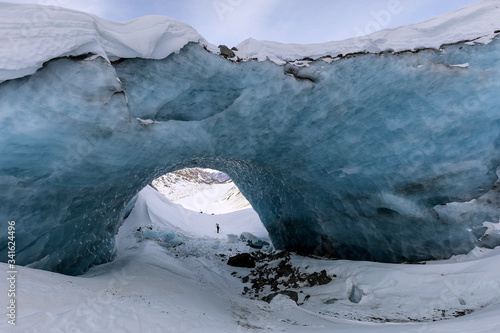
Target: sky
point(229, 22)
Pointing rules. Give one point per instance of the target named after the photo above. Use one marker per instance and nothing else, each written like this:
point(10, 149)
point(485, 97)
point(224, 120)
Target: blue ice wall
point(371, 157)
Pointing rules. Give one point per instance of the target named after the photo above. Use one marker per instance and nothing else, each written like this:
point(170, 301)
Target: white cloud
point(96, 7)
point(231, 21)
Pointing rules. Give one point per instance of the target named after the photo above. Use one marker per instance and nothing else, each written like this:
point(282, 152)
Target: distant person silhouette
point(217, 225)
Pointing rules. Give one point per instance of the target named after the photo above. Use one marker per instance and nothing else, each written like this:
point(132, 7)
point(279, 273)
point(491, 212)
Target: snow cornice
point(30, 35)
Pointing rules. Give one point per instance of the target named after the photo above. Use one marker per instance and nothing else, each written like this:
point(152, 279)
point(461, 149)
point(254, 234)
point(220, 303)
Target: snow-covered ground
point(157, 285)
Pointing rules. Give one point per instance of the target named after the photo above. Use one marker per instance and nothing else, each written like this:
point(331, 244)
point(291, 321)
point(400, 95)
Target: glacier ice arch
point(385, 157)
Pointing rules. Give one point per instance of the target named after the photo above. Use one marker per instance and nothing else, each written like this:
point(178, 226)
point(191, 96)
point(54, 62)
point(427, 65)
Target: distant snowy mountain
point(204, 190)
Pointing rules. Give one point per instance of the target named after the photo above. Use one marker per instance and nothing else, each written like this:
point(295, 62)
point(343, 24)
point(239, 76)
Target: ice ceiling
point(370, 157)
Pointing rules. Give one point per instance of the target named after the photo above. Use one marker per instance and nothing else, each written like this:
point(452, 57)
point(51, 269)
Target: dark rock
point(279, 255)
point(323, 278)
point(462, 313)
point(292, 280)
point(226, 52)
point(319, 278)
point(274, 286)
point(291, 294)
point(234, 48)
point(303, 277)
point(258, 284)
point(284, 269)
point(82, 56)
point(276, 271)
point(242, 260)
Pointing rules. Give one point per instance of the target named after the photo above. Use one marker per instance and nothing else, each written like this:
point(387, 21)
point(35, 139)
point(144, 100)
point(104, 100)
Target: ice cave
point(370, 149)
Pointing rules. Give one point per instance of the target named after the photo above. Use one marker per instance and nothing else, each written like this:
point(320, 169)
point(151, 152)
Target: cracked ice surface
point(386, 157)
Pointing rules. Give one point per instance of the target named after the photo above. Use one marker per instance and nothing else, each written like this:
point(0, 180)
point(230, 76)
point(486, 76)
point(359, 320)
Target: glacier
point(385, 153)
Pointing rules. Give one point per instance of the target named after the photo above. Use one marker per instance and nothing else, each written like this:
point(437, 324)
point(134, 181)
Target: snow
point(461, 65)
point(147, 121)
point(200, 193)
point(206, 198)
point(189, 288)
point(31, 35)
point(476, 22)
point(163, 213)
point(217, 199)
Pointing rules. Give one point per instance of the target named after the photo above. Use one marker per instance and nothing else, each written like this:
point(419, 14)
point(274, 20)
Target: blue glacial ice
point(388, 157)
point(165, 238)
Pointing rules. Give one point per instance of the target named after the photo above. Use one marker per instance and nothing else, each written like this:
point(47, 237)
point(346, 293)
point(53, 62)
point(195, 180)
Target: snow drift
point(386, 156)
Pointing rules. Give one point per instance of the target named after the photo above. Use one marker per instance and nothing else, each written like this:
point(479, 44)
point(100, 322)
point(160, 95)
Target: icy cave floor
point(180, 282)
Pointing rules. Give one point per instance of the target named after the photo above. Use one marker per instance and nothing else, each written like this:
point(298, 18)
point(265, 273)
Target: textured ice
point(253, 241)
point(355, 294)
point(388, 156)
point(165, 238)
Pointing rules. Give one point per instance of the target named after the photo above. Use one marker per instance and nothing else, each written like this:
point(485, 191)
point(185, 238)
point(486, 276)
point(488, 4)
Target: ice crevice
point(368, 157)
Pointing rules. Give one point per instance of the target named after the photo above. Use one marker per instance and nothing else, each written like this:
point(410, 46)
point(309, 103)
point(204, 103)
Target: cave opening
point(194, 206)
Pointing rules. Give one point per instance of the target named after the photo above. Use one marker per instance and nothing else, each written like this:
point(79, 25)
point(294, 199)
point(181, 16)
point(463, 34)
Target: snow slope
point(152, 287)
point(153, 208)
point(231, 200)
point(32, 34)
point(215, 199)
point(195, 189)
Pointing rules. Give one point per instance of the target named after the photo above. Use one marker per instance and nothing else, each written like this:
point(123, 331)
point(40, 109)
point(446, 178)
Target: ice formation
point(388, 153)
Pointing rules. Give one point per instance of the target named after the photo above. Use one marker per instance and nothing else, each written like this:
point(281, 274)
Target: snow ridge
point(477, 22)
point(33, 34)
